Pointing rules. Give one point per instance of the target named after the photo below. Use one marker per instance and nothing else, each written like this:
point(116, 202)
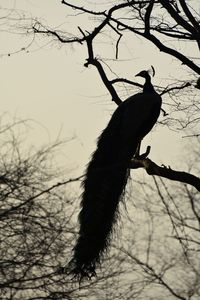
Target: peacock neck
point(148, 87)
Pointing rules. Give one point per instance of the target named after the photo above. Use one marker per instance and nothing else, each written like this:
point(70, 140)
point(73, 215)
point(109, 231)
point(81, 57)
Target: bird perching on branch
point(107, 173)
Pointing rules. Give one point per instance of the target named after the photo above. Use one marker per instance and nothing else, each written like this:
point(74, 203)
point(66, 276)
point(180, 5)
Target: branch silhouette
point(166, 172)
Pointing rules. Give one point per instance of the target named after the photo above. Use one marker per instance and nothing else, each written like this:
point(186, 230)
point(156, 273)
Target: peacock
point(106, 176)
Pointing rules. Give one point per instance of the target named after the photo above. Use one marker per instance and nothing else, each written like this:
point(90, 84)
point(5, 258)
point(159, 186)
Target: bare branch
point(161, 46)
point(14, 208)
point(168, 90)
point(82, 8)
point(124, 80)
point(171, 10)
point(190, 15)
point(147, 17)
point(64, 40)
point(153, 169)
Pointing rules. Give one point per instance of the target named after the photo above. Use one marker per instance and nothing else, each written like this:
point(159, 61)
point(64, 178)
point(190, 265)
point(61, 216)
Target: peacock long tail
point(107, 174)
point(104, 183)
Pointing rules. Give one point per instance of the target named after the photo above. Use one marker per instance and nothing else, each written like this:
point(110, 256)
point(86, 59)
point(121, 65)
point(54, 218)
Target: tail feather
point(103, 186)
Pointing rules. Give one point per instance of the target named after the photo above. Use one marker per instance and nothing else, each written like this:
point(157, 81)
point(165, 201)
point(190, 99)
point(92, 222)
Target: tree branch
point(14, 208)
point(153, 169)
point(192, 20)
point(173, 13)
point(36, 29)
point(147, 17)
point(107, 83)
point(124, 80)
point(189, 15)
point(93, 61)
point(172, 52)
point(81, 8)
point(160, 45)
point(173, 88)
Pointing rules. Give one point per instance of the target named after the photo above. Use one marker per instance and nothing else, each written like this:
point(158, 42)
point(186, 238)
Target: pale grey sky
point(52, 87)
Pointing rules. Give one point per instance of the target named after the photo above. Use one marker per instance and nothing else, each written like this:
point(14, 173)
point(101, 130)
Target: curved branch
point(93, 61)
point(173, 13)
point(173, 88)
point(153, 169)
point(107, 83)
point(81, 8)
point(56, 34)
point(124, 80)
point(189, 15)
point(182, 58)
point(192, 20)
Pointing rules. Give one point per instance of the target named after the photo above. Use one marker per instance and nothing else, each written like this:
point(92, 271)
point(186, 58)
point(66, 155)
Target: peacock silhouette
point(106, 176)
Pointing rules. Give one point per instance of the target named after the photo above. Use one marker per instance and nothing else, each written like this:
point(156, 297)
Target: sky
point(50, 86)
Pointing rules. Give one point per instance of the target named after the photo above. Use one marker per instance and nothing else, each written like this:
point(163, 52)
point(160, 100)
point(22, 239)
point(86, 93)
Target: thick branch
point(147, 16)
point(175, 34)
point(172, 52)
point(189, 15)
point(166, 4)
point(93, 61)
point(192, 20)
point(153, 169)
point(105, 80)
point(124, 80)
point(160, 45)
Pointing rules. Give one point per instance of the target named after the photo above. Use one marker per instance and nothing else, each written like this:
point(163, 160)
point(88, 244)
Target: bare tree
point(160, 244)
point(160, 261)
point(32, 226)
point(38, 218)
point(162, 23)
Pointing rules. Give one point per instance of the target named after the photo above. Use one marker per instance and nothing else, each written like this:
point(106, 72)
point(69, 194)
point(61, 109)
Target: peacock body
point(107, 173)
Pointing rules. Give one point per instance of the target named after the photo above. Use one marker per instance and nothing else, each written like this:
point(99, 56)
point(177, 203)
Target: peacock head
point(146, 74)
point(143, 74)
